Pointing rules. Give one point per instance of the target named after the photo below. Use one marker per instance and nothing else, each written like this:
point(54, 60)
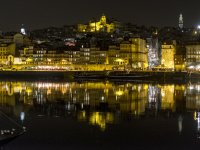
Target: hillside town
point(102, 44)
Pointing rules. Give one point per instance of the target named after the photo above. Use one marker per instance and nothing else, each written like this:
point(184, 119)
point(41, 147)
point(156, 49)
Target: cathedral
point(101, 25)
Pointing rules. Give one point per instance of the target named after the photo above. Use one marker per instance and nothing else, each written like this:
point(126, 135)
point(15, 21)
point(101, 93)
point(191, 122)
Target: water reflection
point(180, 124)
point(100, 103)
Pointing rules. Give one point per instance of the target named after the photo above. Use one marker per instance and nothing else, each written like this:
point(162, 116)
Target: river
point(103, 115)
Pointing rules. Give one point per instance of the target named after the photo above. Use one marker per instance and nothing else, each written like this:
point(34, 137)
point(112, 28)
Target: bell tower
point(180, 24)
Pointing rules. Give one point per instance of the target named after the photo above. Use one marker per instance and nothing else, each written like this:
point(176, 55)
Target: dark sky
point(44, 13)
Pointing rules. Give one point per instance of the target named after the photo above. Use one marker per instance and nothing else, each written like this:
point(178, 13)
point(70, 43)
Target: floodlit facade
point(168, 51)
point(134, 53)
point(193, 56)
point(180, 58)
point(113, 56)
point(93, 59)
point(7, 53)
point(152, 47)
point(98, 26)
point(26, 55)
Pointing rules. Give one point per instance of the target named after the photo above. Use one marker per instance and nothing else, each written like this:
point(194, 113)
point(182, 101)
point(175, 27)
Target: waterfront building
point(193, 56)
point(26, 55)
point(85, 55)
point(45, 56)
point(7, 53)
point(180, 58)
point(71, 56)
point(134, 53)
point(6, 39)
point(152, 47)
point(98, 26)
point(168, 51)
point(98, 56)
point(93, 58)
point(113, 56)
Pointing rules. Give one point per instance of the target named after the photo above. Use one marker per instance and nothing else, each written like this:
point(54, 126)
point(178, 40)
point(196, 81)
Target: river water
point(103, 115)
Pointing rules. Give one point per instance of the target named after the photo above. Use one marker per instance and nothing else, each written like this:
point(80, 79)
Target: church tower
point(103, 20)
point(22, 30)
point(180, 21)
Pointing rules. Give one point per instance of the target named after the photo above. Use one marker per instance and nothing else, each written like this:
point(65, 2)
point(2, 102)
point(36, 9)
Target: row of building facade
point(132, 53)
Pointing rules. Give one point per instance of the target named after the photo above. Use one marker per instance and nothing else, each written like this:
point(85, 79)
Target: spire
point(22, 30)
point(180, 21)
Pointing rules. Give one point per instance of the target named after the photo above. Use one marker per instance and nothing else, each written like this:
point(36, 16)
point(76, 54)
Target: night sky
point(44, 13)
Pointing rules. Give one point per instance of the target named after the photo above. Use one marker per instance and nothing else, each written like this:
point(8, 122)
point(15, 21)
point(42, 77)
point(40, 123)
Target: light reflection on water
point(102, 104)
point(103, 97)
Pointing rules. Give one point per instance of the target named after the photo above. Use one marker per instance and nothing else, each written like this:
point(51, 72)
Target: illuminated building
point(125, 53)
point(180, 23)
point(93, 58)
point(98, 57)
point(134, 53)
point(82, 27)
point(71, 56)
point(180, 58)
point(113, 55)
point(168, 51)
point(98, 26)
point(85, 55)
point(152, 47)
point(44, 54)
point(26, 55)
point(7, 53)
point(6, 39)
point(193, 56)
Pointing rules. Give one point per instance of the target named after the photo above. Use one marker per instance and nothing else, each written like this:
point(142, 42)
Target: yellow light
point(82, 116)
point(101, 119)
point(119, 60)
point(195, 115)
point(29, 60)
point(119, 93)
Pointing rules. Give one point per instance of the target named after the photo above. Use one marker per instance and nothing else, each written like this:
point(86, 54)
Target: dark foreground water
point(102, 115)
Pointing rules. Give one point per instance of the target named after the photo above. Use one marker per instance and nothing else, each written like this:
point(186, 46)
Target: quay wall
point(109, 75)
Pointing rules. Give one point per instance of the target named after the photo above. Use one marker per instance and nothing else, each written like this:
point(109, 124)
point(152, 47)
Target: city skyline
point(38, 14)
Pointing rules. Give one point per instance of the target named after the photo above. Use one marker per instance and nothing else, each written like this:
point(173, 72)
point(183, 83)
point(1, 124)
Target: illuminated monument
point(98, 26)
point(180, 21)
point(22, 30)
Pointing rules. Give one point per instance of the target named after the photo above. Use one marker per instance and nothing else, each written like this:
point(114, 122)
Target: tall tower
point(180, 24)
point(22, 30)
